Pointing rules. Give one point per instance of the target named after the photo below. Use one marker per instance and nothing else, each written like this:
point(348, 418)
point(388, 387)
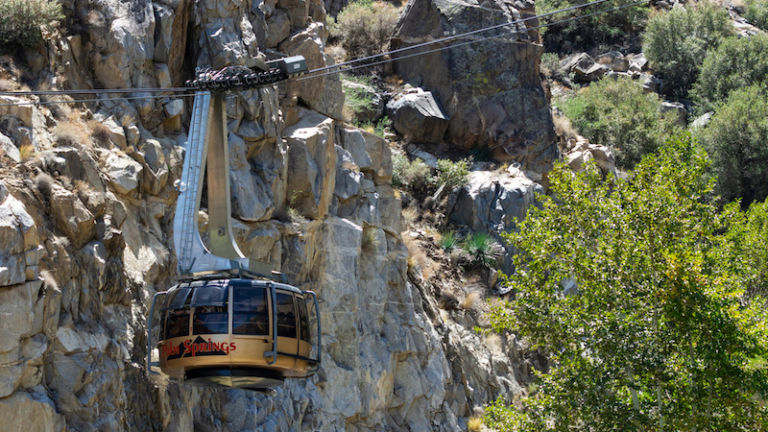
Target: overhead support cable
point(171, 92)
point(456, 45)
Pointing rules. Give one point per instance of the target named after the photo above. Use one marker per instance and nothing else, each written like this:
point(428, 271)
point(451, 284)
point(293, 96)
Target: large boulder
point(31, 412)
point(323, 93)
point(7, 148)
point(22, 310)
point(171, 21)
point(494, 202)
point(18, 241)
point(71, 216)
point(418, 117)
point(311, 164)
point(491, 90)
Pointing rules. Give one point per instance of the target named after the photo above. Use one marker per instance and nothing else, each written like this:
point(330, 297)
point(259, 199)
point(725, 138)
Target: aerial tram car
point(229, 321)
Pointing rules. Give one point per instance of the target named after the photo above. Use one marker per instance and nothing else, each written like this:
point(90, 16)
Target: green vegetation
point(756, 12)
point(357, 98)
point(447, 241)
point(482, 249)
point(619, 114)
point(677, 41)
point(735, 64)
point(22, 20)
point(659, 334)
point(746, 241)
point(364, 27)
point(736, 141)
point(413, 175)
point(452, 174)
point(550, 62)
point(601, 28)
point(378, 128)
point(417, 176)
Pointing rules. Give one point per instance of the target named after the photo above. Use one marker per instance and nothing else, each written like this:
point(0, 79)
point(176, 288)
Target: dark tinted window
point(177, 323)
point(210, 320)
point(286, 316)
point(177, 298)
point(210, 295)
point(303, 320)
point(249, 310)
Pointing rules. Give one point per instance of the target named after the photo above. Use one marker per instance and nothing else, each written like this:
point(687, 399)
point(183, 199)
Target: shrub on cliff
point(452, 174)
point(756, 12)
point(22, 20)
point(364, 27)
point(735, 64)
point(617, 113)
point(601, 28)
point(736, 141)
point(658, 333)
point(677, 41)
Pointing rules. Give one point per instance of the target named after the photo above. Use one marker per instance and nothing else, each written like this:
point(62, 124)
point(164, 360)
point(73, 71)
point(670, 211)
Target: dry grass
point(9, 85)
point(370, 241)
point(83, 187)
point(475, 424)
point(470, 300)
point(27, 152)
point(395, 80)
point(493, 342)
point(71, 133)
point(418, 259)
point(563, 127)
point(44, 184)
point(99, 133)
point(410, 215)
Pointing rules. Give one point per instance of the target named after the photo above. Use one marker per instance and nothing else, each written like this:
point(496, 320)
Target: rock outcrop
point(494, 101)
point(417, 116)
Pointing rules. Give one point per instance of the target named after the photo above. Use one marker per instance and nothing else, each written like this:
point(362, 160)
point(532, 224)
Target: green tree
point(654, 332)
point(452, 174)
point(735, 64)
point(21, 21)
point(619, 114)
point(756, 11)
point(676, 42)
point(364, 27)
point(601, 28)
point(737, 142)
point(746, 242)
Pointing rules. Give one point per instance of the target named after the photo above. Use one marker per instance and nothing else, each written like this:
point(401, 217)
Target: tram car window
point(249, 310)
point(303, 321)
point(286, 316)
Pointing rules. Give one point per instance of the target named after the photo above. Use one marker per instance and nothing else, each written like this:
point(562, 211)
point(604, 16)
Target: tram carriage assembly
point(230, 321)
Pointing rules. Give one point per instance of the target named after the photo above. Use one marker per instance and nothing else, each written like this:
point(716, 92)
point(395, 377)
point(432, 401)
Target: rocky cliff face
point(488, 83)
point(86, 204)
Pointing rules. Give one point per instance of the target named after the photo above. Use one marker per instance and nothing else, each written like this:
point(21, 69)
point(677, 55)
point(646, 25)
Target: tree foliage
point(756, 11)
point(677, 41)
point(737, 141)
point(735, 64)
point(452, 174)
point(658, 334)
point(21, 21)
point(612, 26)
point(364, 27)
point(619, 114)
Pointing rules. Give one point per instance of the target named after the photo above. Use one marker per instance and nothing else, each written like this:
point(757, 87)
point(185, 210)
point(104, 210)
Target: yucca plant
point(483, 250)
point(447, 241)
